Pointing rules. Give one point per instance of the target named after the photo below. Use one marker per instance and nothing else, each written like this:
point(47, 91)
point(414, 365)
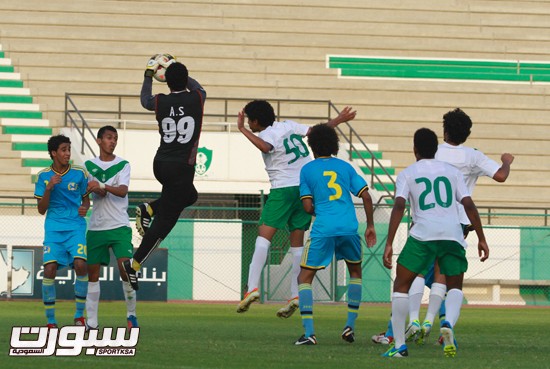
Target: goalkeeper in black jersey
point(179, 115)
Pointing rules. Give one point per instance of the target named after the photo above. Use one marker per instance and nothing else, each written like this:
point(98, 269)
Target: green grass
point(190, 335)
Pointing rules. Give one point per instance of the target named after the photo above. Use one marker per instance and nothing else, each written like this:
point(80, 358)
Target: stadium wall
point(208, 260)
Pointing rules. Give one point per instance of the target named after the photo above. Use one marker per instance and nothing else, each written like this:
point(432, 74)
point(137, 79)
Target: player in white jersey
point(472, 164)
point(433, 189)
point(284, 154)
point(109, 225)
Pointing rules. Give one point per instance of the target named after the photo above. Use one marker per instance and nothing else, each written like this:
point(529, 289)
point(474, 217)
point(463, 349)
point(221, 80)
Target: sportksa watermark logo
point(70, 340)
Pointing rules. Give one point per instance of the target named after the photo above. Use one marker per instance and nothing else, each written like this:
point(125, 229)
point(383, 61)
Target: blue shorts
point(319, 251)
point(429, 277)
point(62, 247)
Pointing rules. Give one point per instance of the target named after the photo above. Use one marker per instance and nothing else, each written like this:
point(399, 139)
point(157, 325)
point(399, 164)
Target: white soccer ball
point(164, 61)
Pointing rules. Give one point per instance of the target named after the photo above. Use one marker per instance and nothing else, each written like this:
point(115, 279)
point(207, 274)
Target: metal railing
point(124, 109)
point(352, 135)
point(490, 215)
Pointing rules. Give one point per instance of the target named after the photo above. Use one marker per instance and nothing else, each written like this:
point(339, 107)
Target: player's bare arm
point(395, 219)
point(83, 208)
point(95, 187)
point(473, 215)
point(256, 141)
point(102, 189)
point(308, 205)
point(370, 233)
point(345, 115)
point(504, 171)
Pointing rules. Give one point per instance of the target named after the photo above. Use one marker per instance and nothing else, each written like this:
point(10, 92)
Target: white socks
point(296, 260)
point(437, 295)
point(92, 301)
point(399, 310)
point(130, 297)
point(258, 261)
point(415, 298)
point(92, 304)
point(453, 304)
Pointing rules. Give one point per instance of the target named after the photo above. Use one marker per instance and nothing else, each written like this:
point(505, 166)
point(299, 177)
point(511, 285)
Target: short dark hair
point(177, 76)
point(457, 125)
point(102, 130)
point(425, 142)
point(260, 110)
point(55, 141)
point(323, 140)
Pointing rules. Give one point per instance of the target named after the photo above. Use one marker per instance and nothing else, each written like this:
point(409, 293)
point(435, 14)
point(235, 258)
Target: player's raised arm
point(194, 85)
point(504, 171)
point(345, 115)
point(146, 97)
point(257, 141)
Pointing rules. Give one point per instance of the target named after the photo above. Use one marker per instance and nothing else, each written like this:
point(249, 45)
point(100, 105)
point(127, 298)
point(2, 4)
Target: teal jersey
point(330, 182)
point(65, 198)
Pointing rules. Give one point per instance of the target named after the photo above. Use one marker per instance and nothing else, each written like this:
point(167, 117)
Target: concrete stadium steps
point(29, 123)
point(15, 180)
point(10, 83)
point(16, 185)
point(18, 99)
point(440, 69)
point(18, 106)
point(23, 133)
point(9, 76)
point(14, 91)
point(471, 48)
point(36, 162)
point(6, 152)
point(428, 12)
point(27, 133)
point(279, 49)
point(31, 149)
point(13, 166)
point(356, 155)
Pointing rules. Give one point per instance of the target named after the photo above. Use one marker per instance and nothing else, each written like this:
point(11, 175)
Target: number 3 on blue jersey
point(333, 185)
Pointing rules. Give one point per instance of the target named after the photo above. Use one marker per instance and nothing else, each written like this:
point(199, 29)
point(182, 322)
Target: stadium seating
point(282, 50)
point(23, 133)
point(269, 50)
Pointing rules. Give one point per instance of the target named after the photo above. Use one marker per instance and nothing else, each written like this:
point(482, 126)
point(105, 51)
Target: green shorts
point(284, 208)
point(418, 256)
point(99, 242)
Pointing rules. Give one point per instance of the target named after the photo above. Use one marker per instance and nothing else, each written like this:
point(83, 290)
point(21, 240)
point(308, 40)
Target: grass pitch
point(181, 335)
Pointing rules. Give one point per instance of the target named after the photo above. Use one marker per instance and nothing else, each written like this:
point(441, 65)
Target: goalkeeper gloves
point(152, 66)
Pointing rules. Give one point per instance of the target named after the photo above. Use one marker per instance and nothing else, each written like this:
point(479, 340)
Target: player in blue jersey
point(61, 191)
point(284, 154)
point(325, 187)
